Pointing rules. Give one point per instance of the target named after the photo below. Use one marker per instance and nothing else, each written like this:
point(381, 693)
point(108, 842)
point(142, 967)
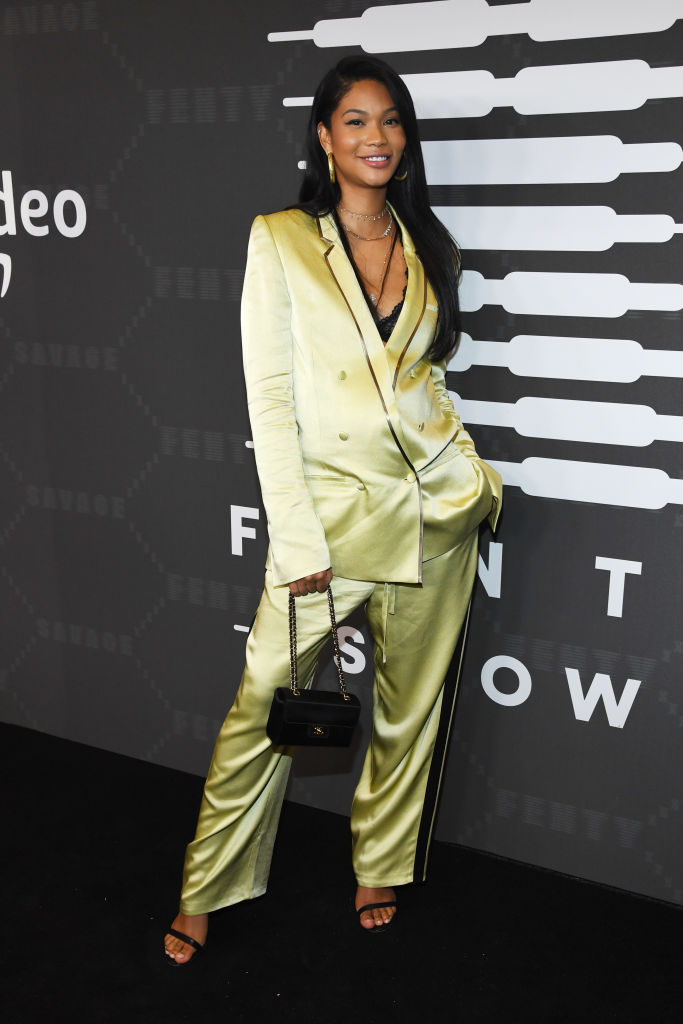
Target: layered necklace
point(374, 292)
point(368, 217)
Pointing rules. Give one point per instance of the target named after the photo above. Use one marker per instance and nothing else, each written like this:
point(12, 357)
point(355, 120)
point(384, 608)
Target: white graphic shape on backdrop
point(618, 569)
point(238, 531)
point(552, 228)
point(552, 89)
point(594, 482)
point(448, 24)
point(545, 294)
point(567, 419)
point(601, 687)
point(6, 267)
point(353, 660)
point(508, 700)
point(614, 360)
point(491, 575)
point(579, 158)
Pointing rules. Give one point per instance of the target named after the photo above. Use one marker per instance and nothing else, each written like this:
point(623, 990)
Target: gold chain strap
point(335, 645)
point(293, 680)
point(292, 647)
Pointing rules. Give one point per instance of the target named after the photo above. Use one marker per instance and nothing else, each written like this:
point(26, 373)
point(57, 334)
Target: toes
point(175, 949)
point(378, 917)
point(195, 926)
point(179, 952)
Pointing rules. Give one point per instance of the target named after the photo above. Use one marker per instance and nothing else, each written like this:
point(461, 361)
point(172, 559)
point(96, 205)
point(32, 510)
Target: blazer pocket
point(451, 451)
point(335, 481)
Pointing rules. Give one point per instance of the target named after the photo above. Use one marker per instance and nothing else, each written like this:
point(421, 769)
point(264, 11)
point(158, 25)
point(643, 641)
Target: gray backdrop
point(131, 535)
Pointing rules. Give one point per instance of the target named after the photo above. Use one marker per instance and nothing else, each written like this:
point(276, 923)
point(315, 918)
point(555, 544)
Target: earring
point(401, 177)
point(330, 167)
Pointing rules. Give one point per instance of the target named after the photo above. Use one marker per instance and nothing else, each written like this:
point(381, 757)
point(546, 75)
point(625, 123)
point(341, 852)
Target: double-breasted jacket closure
point(363, 462)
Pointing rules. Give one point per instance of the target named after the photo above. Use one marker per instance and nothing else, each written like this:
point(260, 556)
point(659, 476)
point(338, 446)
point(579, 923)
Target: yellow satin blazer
point(363, 462)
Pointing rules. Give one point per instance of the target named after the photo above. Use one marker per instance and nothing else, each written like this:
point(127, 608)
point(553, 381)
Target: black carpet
point(92, 853)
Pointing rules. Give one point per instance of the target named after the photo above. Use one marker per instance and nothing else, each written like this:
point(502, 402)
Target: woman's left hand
point(317, 582)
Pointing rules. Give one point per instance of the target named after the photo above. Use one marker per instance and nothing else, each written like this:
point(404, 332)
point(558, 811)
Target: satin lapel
point(414, 305)
point(344, 275)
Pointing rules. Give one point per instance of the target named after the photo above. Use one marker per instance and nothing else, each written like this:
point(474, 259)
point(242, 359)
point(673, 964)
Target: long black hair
point(318, 195)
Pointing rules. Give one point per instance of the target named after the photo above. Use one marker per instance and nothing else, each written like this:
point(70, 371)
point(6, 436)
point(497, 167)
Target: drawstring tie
point(388, 608)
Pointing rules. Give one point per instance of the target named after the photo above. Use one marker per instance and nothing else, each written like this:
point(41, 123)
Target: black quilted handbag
point(314, 718)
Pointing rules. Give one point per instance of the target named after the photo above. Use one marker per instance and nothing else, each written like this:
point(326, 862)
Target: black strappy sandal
point(172, 962)
point(379, 928)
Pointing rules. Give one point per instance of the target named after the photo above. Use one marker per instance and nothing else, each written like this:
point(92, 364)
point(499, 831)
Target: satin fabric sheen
point(363, 461)
point(415, 630)
point(364, 466)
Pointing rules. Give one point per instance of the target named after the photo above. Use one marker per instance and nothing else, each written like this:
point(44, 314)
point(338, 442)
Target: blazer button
point(342, 375)
point(343, 436)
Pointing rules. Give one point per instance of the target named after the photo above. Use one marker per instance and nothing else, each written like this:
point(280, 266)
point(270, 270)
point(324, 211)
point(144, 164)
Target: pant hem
point(402, 880)
point(191, 909)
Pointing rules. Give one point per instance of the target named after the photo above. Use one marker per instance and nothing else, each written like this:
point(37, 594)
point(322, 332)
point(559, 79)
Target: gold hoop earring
point(330, 167)
point(401, 177)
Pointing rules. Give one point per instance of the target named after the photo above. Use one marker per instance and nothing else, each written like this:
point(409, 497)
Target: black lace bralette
point(386, 324)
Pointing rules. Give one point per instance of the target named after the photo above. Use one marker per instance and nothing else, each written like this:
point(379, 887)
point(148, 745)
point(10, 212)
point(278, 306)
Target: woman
point(369, 480)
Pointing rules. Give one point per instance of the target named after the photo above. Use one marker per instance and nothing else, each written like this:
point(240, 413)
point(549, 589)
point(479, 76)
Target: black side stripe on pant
point(431, 799)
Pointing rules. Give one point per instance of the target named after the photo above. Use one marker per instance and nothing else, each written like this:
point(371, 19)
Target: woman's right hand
point(317, 582)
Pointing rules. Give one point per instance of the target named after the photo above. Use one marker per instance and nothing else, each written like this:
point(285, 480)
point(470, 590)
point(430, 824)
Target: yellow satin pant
point(416, 629)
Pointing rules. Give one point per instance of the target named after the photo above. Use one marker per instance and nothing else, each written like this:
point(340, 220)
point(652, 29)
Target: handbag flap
point(323, 707)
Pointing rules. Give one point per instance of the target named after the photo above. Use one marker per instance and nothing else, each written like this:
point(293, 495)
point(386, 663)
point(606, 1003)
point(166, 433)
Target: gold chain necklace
point(365, 216)
point(373, 238)
point(375, 299)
